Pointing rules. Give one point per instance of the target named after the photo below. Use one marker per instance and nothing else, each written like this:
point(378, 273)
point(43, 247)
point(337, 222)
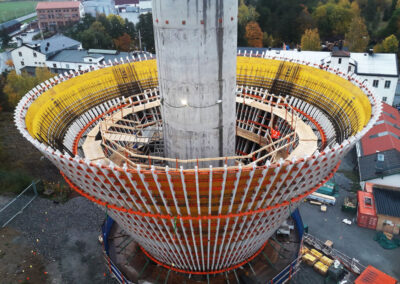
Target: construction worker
point(275, 134)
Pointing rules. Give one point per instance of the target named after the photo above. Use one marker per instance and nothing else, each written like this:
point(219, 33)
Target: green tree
point(246, 13)
point(357, 37)
point(268, 40)
point(393, 26)
point(388, 45)
point(333, 19)
point(310, 40)
point(96, 37)
point(117, 28)
point(5, 38)
point(4, 105)
point(145, 26)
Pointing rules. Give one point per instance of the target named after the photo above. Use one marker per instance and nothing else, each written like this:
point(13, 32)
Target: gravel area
point(66, 235)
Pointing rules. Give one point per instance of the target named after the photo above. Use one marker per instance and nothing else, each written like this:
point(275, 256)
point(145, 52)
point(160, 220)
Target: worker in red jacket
point(275, 134)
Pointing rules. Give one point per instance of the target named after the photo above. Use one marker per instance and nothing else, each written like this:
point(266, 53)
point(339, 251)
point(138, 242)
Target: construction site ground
point(352, 240)
point(59, 240)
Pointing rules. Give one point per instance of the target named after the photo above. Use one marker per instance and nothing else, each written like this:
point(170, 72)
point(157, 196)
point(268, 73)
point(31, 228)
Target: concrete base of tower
point(129, 263)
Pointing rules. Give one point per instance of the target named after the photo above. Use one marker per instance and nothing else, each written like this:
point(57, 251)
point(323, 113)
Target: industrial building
point(379, 208)
point(52, 15)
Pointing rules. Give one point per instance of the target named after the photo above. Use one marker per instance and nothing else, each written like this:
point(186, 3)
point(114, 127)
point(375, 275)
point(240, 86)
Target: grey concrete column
point(196, 42)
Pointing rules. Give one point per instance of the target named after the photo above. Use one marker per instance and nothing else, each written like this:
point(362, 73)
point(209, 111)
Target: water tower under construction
point(201, 152)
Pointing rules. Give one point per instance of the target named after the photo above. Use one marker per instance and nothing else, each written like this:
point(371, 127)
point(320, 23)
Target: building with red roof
point(371, 275)
point(378, 151)
point(52, 15)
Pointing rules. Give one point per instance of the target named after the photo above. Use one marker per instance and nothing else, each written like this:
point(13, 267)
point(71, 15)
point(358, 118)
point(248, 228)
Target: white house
point(26, 57)
point(34, 54)
point(379, 70)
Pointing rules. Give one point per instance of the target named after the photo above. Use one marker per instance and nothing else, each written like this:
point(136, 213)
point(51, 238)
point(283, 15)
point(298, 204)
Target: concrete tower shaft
point(196, 58)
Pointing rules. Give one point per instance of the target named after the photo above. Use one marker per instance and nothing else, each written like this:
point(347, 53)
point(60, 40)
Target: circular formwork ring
point(203, 217)
point(204, 272)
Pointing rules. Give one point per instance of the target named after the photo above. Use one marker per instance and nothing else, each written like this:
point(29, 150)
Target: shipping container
point(366, 213)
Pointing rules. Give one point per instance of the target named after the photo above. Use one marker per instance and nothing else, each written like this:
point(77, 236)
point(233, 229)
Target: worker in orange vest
point(275, 134)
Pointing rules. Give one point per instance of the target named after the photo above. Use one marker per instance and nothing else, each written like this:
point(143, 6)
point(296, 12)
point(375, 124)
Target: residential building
point(34, 54)
point(52, 15)
point(378, 151)
point(379, 70)
point(67, 60)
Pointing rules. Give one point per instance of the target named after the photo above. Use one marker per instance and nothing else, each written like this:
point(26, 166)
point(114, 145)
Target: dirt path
point(19, 261)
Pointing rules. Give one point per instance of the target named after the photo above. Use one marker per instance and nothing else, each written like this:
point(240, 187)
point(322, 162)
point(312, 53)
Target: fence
point(16, 206)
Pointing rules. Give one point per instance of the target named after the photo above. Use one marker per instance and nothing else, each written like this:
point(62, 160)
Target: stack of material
point(326, 260)
point(327, 189)
point(309, 259)
point(321, 268)
point(316, 253)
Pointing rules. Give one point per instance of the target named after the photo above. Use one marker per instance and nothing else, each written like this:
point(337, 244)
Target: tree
point(10, 63)
point(145, 27)
point(268, 40)
point(310, 40)
point(18, 85)
point(95, 37)
point(254, 34)
point(246, 14)
point(123, 43)
point(5, 38)
point(333, 19)
point(388, 45)
point(357, 37)
point(116, 26)
point(3, 97)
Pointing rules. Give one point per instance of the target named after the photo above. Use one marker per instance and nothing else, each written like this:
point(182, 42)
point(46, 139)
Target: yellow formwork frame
point(77, 95)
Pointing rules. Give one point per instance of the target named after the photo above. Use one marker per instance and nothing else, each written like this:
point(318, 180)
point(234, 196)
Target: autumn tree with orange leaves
point(254, 34)
point(123, 43)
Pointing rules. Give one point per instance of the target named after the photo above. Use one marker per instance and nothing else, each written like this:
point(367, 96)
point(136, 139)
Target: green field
point(13, 9)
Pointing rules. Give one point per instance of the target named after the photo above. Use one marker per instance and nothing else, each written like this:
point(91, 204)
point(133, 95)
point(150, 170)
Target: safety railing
point(17, 205)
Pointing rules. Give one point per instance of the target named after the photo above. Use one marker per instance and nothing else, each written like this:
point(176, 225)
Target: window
point(34, 54)
point(384, 99)
point(387, 84)
point(22, 63)
point(368, 201)
point(340, 60)
point(20, 53)
point(375, 83)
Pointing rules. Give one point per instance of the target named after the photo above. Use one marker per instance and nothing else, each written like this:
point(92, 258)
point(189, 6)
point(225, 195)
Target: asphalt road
point(352, 240)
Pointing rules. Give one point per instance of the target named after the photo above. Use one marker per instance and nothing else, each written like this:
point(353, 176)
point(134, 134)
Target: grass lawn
point(13, 9)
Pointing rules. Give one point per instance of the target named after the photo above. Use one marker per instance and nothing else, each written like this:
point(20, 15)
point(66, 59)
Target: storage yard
point(352, 240)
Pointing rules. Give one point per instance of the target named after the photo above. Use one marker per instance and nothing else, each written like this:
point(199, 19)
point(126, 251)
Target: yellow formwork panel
point(76, 93)
point(346, 95)
point(79, 94)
